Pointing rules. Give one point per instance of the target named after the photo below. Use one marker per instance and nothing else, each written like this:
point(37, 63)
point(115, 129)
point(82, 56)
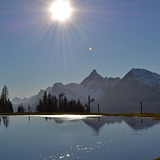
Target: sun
point(61, 10)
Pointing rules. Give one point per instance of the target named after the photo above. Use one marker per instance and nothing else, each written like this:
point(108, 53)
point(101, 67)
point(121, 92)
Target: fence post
point(98, 108)
point(141, 107)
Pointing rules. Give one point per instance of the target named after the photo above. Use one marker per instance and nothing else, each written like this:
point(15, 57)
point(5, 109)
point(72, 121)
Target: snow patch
point(146, 77)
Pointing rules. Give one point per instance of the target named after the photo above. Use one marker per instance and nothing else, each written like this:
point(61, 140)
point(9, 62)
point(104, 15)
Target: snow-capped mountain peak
point(140, 72)
point(146, 77)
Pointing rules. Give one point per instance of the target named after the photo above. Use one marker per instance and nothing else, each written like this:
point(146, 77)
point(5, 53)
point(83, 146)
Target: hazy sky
point(37, 51)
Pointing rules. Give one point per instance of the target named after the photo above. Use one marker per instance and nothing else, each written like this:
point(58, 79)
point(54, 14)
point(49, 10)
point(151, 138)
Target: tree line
point(50, 103)
point(5, 103)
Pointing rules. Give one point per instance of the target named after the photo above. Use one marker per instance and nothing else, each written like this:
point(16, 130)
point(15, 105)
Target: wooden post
point(141, 107)
point(89, 101)
point(98, 107)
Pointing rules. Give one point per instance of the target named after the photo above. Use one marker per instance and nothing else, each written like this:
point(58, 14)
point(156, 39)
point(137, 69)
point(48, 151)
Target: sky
point(37, 51)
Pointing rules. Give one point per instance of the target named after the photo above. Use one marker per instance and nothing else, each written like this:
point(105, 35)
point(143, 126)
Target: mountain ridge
point(113, 94)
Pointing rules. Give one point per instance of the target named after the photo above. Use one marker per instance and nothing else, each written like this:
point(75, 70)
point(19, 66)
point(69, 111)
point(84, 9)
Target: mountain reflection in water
point(78, 137)
point(96, 123)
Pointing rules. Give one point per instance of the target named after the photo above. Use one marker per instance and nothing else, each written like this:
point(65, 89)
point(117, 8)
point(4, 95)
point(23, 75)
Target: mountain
point(32, 101)
point(95, 81)
point(143, 77)
point(16, 100)
point(138, 85)
point(114, 95)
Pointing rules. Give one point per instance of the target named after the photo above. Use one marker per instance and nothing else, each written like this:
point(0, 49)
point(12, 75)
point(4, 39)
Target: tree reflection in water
point(5, 120)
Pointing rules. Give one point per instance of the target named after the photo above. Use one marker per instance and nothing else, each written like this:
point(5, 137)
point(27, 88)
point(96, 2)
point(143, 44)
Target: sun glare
point(61, 10)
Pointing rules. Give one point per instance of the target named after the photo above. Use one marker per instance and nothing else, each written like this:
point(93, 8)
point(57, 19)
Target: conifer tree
point(9, 106)
point(4, 94)
point(80, 107)
point(60, 108)
point(49, 103)
point(65, 104)
point(70, 106)
point(39, 106)
point(44, 102)
point(5, 104)
point(54, 104)
point(21, 109)
point(74, 105)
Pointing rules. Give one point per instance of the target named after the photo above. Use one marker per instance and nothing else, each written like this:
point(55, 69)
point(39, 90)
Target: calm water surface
point(78, 138)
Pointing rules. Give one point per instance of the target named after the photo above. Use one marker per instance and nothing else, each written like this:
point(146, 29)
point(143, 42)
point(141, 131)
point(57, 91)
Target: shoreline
point(154, 116)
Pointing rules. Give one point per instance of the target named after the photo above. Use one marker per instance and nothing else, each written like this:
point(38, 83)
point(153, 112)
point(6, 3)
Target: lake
point(78, 138)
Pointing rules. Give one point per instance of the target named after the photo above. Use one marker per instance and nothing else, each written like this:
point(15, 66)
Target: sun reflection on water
point(75, 151)
point(69, 117)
